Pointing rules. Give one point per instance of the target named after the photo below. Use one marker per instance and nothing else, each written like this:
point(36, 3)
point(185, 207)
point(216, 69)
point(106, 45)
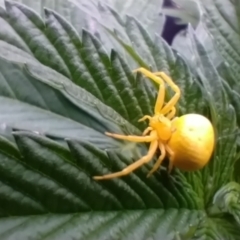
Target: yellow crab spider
point(188, 140)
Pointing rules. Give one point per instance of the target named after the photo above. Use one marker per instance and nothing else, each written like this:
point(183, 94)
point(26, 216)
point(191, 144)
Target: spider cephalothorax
point(187, 140)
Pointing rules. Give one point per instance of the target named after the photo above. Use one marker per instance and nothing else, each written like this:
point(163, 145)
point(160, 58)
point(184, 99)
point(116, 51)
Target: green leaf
point(221, 21)
point(226, 200)
point(60, 91)
point(161, 56)
point(106, 227)
point(223, 116)
point(95, 15)
point(61, 6)
point(90, 58)
point(49, 108)
point(116, 225)
point(232, 87)
point(43, 74)
point(144, 47)
point(50, 171)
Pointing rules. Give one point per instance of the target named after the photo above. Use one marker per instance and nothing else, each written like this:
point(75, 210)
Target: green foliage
point(61, 89)
point(227, 200)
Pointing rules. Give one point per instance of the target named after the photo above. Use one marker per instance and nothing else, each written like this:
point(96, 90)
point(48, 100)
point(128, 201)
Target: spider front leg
point(160, 78)
point(172, 113)
point(174, 87)
point(144, 118)
point(137, 164)
point(161, 92)
point(133, 138)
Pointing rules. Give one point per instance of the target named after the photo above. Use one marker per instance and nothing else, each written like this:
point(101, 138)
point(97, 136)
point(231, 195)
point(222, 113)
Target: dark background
point(171, 29)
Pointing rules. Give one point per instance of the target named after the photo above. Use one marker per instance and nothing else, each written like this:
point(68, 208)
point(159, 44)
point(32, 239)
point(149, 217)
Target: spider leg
point(159, 161)
point(147, 130)
point(171, 113)
point(174, 87)
point(144, 118)
point(133, 166)
point(133, 138)
point(161, 91)
point(171, 158)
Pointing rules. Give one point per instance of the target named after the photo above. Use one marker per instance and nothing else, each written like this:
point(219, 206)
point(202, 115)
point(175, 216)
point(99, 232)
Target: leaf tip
point(47, 11)
point(8, 4)
point(113, 54)
point(11, 4)
point(85, 33)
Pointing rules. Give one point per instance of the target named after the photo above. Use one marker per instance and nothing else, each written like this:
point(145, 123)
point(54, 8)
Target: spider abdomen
point(192, 142)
